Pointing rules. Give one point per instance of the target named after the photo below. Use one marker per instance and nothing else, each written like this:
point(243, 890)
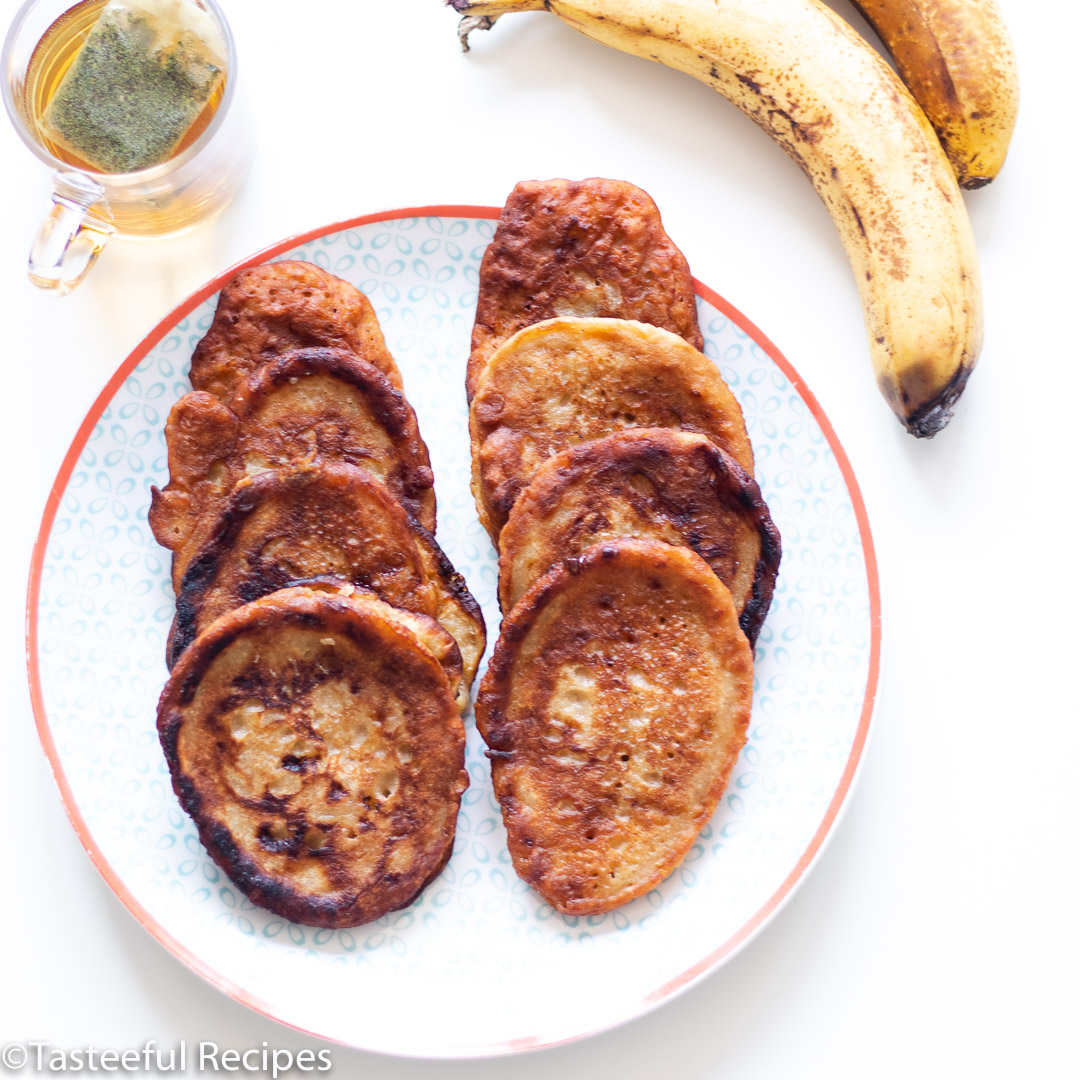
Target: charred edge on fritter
point(331, 608)
point(453, 581)
point(387, 403)
point(266, 891)
point(728, 478)
point(202, 572)
point(271, 892)
point(228, 632)
point(732, 479)
point(757, 606)
point(275, 894)
point(749, 496)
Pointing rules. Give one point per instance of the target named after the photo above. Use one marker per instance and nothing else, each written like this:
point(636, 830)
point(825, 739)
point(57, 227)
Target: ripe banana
point(957, 60)
point(806, 77)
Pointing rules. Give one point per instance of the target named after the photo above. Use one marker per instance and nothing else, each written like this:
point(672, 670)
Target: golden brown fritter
point(615, 706)
point(202, 437)
point(285, 526)
point(579, 247)
point(314, 740)
point(653, 484)
point(280, 306)
point(309, 405)
point(432, 634)
point(458, 611)
point(568, 381)
point(334, 405)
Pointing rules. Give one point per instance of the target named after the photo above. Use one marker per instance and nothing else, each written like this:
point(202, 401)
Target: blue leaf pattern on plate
point(106, 603)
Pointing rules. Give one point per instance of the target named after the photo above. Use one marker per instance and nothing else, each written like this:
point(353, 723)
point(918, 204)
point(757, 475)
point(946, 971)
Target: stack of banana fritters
point(323, 646)
point(637, 558)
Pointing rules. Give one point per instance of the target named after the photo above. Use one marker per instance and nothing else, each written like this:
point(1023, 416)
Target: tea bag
point(142, 77)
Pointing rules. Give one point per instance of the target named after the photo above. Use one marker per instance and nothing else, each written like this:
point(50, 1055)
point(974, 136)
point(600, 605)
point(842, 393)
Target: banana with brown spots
point(834, 105)
point(957, 60)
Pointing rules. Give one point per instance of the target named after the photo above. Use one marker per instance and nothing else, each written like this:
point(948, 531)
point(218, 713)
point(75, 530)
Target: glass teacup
point(197, 179)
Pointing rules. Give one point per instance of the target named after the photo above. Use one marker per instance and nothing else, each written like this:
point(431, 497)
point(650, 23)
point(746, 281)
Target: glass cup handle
point(72, 236)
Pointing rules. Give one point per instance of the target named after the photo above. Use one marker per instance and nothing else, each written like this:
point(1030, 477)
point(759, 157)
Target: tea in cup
point(132, 104)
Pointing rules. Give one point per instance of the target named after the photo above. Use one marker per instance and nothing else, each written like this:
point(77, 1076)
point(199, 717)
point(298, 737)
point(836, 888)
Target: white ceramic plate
point(478, 964)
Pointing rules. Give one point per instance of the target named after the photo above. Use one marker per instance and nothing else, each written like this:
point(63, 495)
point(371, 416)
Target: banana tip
point(928, 419)
point(926, 425)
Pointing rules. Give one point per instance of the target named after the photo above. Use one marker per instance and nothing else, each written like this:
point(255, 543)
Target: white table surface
point(937, 936)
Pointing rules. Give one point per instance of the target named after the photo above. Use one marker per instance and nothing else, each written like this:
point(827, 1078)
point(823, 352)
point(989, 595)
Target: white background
point(937, 935)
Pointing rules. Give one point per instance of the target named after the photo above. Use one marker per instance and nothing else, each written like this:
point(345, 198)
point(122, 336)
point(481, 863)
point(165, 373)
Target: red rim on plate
point(662, 993)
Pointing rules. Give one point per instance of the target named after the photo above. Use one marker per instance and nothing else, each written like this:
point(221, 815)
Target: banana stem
point(481, 14)
point(495, 8)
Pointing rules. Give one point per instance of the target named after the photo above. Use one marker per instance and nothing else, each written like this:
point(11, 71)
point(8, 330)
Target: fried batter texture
point(335, 521)
point(274, 308)
point(568, 381)
point(314, 740)
point(587, 248)
point(614, 707)
point(650, 483)
point(308, 405)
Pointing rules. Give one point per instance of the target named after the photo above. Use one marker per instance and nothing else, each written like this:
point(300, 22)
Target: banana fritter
point(283, 526)
point(650, 483)
point(314, 740)
point(458, 610)
point(614, 707)
point(306, 405)
point(588, 248)
point(274, 308)
point(568, 381)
